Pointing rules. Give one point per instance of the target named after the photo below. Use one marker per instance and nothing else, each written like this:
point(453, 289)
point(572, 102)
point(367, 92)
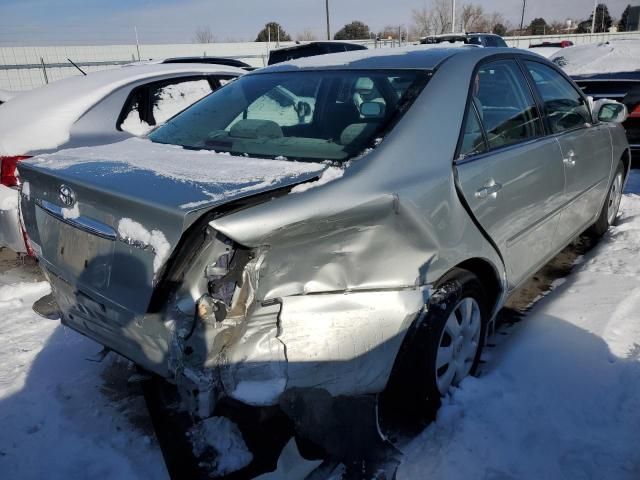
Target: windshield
point(303, 115)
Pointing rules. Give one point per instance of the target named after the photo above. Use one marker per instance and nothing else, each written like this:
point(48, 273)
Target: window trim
point(541, 100)
point(457, 160)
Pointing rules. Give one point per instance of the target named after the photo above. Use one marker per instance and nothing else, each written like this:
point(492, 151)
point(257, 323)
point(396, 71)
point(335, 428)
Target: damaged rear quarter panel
point(350, 260)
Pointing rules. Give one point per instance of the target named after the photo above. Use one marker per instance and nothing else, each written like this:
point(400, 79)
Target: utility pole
point(135, 29)
point(593, 20)
point(524, 5)
point(328, 23)
point(453, 16)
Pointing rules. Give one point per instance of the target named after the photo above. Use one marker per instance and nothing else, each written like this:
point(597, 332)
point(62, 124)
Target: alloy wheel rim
point(458, 345)
point(615, 196)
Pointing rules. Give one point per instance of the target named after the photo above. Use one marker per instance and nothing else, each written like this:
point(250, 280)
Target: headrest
point(249, 128)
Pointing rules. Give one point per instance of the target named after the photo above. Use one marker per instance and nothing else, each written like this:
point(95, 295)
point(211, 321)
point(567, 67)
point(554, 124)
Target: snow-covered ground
point(559, 397)
point(61, 416)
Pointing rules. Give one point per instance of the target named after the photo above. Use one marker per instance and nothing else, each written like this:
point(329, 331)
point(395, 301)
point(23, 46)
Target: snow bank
point(57, 420)
point(225, 438)
point(134, 232)
point(560, 396)
point(621, 55)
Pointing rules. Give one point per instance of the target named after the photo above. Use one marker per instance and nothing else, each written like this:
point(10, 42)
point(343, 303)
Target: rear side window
point(505, 104)
point(472, 136)
point(155, 103)
point(565, 108)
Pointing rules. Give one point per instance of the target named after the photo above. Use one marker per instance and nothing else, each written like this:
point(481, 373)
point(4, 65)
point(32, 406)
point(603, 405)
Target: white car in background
point(100, 108)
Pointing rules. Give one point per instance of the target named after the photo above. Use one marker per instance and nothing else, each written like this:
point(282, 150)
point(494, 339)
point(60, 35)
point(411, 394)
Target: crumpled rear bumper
point(10, 231)
point(344, 343)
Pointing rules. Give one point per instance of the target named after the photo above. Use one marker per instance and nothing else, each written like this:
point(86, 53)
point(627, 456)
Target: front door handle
point(491, 189)
point(570, 160)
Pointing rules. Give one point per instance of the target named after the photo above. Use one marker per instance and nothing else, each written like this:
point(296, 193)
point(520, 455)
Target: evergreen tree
point(538, 26)
point(274, 28)
point(355, 30)
point(500, 29)
point(622, 24)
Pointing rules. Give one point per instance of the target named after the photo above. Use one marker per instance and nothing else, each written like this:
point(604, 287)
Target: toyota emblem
point(67, 196)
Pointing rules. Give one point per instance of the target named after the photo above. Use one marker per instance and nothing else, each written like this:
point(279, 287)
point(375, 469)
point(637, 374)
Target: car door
point(510, 174)
point(586, 148)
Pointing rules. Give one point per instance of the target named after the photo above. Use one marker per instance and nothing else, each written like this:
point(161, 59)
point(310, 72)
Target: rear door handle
point(491, 189)
point(570, 159)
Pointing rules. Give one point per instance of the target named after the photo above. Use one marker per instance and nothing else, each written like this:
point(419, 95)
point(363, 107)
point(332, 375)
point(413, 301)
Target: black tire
point(603, 223)
point(412, 396)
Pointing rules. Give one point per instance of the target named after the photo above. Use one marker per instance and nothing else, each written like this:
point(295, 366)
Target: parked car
point(608, 70)
point(560, 44)
point(230, 62)
point(365, 247)
point(479, 39)
point(103, 107)
point(311, 49)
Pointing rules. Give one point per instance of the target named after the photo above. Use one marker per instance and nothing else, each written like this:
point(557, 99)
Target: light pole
point(593, 20)
point(453, 16)
point(524, 5)
point(328, 24)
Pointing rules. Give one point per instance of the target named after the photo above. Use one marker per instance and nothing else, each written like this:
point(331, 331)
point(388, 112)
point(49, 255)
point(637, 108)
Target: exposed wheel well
point(488, 277)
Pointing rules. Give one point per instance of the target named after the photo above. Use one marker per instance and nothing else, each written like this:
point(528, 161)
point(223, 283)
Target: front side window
point(565, 108)
point(300, 115)
point(505, 104)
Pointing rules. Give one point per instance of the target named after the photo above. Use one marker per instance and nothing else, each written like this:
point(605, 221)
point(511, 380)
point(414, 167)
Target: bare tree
point(472, 18)
point(204, 35)
point(494, 19)
point(422, 21)
point(441, 12)
point(307, 35)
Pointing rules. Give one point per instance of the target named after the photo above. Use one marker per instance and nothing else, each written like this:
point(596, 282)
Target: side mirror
point(372, 110)
point(610, 111)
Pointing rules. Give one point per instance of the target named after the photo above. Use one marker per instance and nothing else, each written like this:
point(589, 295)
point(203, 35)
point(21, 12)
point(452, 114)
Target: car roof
point(63, 102)
point(421, 57)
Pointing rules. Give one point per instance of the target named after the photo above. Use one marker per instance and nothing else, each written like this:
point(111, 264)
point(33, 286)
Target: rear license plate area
point(83, 257)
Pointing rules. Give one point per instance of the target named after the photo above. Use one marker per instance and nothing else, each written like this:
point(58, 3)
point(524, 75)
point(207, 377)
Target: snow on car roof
point(41, 119)
point(620, 55)
point(425, 57)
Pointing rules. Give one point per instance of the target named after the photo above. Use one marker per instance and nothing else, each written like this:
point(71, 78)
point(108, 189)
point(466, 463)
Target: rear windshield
point(304, 115)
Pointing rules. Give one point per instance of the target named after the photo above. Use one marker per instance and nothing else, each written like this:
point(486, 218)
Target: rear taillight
point(635, 113)
point(8, 172)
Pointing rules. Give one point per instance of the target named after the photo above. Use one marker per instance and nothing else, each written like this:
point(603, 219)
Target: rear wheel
point(440, 351)
point(609, 212)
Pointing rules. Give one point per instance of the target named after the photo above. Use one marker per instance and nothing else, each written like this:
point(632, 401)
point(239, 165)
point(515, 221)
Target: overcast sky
point(173, 21)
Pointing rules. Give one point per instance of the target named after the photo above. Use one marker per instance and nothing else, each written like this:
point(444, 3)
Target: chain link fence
point(24, 68)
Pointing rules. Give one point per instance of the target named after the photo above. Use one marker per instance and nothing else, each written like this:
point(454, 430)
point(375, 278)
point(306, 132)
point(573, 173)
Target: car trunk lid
point(105, 220)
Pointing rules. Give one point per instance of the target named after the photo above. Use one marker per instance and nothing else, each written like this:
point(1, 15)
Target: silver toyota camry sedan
point(337, 224)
